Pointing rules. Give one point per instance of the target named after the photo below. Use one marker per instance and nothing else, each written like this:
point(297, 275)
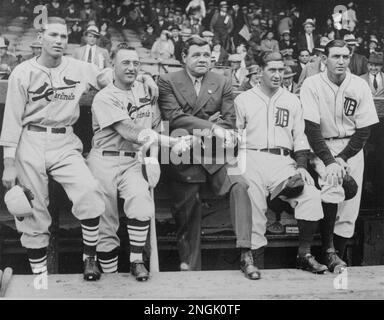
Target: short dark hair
point(193, 41)
point(53, 20)
point(303, 49)
point(270, 56)
point(122, 46)
point(337, 43)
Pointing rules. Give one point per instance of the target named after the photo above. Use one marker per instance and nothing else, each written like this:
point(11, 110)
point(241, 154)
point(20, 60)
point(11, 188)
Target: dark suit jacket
point(358, 64)
point(184, 110)
point(302, 41)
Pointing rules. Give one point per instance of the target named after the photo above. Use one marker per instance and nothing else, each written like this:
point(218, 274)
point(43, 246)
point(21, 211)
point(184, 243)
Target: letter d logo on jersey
point(349, 106)
point(281, 117)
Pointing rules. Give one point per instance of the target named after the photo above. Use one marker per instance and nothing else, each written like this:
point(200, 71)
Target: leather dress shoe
point(247, 266)
point(334, 262)
point(309, 263)
point(139, 271)
point(91, 270)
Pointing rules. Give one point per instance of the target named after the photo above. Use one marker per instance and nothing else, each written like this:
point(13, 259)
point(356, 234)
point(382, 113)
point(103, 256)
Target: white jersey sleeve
point(366, 114)
point(15, 104)
point(309, 102)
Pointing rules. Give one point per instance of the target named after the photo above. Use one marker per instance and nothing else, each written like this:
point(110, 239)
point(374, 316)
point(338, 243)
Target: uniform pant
point(348, 211)
point(119, 176)
point(187, 213)
point(43, 154)
point(264, 172)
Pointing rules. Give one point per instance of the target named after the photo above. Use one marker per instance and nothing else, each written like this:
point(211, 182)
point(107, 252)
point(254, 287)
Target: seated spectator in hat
point(373, 45)
point(358, 64)
point(87, 13)
point(105, 37)
point(135, 18)
point(316, 66)
point(208, 36)
point(148, 38)
point(219, 54)
point(309, 39)
point(70, 13)
point(303, 60)
point(253, 78)
point(375, 76)
point(177, 42)
point(246, 55)
point(237, 74)
point(185, 33)
point(287, 46)
point(196, 8)
point(55, 9)
point(36, 50)
point(269, 44)
point(288, 82)
point(178, 17)
point(6, 58)
point(75, 33)
point(163, 47)
point(5, 71)
point(91, 52)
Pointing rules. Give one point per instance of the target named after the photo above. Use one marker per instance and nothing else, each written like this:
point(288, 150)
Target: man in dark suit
point(199, 102)
point(309, 39)
point(359, 63)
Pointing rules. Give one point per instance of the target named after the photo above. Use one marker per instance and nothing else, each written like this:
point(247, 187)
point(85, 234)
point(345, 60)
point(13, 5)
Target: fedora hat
point(93, 30)
point(254, 69)
point(323, 42)
point(350, 39)
point(376, 58)
point(288, 73)
point(309, 21)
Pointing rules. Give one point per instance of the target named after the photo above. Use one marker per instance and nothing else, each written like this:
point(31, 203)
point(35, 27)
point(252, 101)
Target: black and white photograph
point(191, 155)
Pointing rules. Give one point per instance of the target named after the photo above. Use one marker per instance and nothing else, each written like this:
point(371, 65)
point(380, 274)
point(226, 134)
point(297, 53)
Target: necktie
point(310, 44)
point(375, 85)
point(197, 86)
point(90, 55)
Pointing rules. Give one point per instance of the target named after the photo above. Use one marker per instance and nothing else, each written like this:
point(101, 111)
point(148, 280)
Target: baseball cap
point(17, 202)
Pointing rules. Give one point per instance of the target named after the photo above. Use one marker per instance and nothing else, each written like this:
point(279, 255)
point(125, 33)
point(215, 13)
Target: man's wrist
point(9, 162)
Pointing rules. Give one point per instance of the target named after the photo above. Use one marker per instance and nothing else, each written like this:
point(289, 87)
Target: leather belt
point(32, 127)
point(337, 138)
point(277, 151)
point(107, 153)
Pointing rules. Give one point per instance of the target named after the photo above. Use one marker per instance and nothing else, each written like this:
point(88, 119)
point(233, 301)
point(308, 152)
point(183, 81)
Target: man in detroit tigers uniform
point(123, 117)
point(275, 150)
point(338, 111)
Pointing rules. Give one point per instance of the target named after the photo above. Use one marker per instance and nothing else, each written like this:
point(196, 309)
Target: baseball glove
point(350, 187)
point(290, 188)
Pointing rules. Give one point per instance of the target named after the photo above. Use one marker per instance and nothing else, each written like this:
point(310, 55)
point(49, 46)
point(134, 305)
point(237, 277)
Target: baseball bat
point(6, 279)
point(154, 257)
point(1, 276)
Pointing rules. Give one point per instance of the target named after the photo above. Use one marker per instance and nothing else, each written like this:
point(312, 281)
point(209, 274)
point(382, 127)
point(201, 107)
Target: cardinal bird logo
point(70, 82)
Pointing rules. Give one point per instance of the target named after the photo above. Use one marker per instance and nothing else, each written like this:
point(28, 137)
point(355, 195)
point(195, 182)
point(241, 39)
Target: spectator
point(196, 8)
point(105, 37)
point(159, 25)
point(208, 36)
point(219, 54)
point(309, 39)
point(148, 38)
point(135, 17)
point(5, 71)
point(222, 24)
point(36, 50)
point(253, 78)
point(269, 44)
point(256, 31)
point(163, 47)
point(75, 33)
point(206, 22)
point(246, 57)
point(358, 64)
point(373, 46)
point(288, 82)
point(177, 42)
point(238, 23)
point(55, 9)
point(6, 58)
point(91, 52)
point(185, 34)
point(285, 23)
point(24, 11)
point(304, 57)
point(178, 17)
point(375, 76)
point(331, 35)
point(71, 14)
point(287, 46)
point(87, 13)
point(101, 12)
point(237, 73)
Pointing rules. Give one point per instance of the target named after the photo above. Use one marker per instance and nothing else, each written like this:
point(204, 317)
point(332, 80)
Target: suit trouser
point(40, 154)
point(119, 176)
point(187, 212)
point(264, 172)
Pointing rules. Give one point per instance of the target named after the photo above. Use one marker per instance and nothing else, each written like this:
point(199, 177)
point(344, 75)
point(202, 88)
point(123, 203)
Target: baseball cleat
point(139, 270)
point(309, 263)
point(247, 266)
point(333, 262)
point(91, 270)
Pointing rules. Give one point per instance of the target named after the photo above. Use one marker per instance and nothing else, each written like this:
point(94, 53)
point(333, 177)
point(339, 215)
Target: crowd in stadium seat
point(245, 29)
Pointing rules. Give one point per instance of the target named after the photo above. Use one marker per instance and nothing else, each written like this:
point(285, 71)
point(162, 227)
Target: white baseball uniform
point(340, 110)
point(120, 176)
point(42, 105)
point(272, 123)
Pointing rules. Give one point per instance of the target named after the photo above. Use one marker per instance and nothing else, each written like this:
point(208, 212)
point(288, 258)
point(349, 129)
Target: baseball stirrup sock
point(327, 225)
point(340, 244)
point(90, 230)
point(307, 230)
point(38, 260)
point(108, 261)
point(137, 231)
